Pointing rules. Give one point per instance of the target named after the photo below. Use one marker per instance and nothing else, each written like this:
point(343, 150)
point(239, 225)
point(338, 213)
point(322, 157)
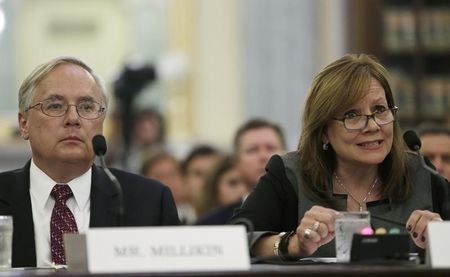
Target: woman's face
point(368, 146)
point(231, 187)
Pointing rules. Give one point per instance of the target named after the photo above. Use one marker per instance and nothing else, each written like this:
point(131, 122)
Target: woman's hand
point(315, 229)
point(417, 225)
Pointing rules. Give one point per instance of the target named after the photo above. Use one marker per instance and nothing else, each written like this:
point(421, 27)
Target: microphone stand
point(120, 212)
point(414, 144)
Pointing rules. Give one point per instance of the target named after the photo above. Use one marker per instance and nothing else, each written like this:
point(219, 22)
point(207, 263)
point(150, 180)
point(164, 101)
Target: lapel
point(24, 251)
point(103, 203)
point(103, 199)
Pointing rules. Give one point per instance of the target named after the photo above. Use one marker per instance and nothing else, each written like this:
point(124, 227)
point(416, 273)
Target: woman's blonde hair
point(334, 90)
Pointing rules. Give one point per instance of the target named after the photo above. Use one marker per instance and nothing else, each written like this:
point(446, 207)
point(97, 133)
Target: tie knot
point(61, 192)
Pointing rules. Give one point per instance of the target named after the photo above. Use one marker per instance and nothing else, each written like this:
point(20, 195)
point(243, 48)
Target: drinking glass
point(6, 230)
point(347, 224)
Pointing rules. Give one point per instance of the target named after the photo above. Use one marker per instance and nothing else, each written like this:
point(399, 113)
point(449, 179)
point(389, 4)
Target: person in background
point(148, 134)
point(224, 186)
point(165, 168)
point(436, 146)
point(351, 157)
point(195, 168)
point(254, 143)
point(62, 106)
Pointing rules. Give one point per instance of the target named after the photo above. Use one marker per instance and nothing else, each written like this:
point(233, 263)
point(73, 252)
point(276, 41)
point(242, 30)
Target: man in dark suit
point(62, 106)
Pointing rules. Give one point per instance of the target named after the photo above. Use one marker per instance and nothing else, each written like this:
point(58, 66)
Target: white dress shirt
point(42, 205)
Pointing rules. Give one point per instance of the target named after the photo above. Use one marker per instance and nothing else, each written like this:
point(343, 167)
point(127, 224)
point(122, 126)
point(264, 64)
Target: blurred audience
point(165, 168)
point(254, 143)
point(224, 185)
point(436, 146)
point(195, 168)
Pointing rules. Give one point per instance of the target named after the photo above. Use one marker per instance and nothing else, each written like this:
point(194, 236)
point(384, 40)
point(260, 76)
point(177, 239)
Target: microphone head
point(412, 140)
point(99, 145)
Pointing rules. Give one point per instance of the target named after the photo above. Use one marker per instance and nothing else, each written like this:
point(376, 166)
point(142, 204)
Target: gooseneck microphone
point(413, 142)
point(99, 145)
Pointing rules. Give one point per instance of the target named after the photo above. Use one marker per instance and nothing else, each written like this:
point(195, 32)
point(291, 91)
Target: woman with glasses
point(351, 157)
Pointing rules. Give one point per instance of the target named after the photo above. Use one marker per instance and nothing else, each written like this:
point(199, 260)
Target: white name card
point(438, 244)
point(152, 249)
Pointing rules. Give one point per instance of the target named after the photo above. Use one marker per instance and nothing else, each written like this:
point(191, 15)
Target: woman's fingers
point(417, 225)
point(315, 229)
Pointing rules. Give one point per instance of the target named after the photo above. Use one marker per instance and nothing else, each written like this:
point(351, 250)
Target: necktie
point(62, 221)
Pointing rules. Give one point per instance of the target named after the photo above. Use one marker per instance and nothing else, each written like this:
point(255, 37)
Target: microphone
point(99, 145)
point(412, 140)
point(414, 144)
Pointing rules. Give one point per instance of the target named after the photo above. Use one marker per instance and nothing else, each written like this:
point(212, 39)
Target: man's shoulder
point(10, 181)
point(11, 174)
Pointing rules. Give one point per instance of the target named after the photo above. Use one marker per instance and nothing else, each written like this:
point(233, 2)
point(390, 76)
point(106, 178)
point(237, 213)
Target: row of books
point(399, 29)
point(432, 99)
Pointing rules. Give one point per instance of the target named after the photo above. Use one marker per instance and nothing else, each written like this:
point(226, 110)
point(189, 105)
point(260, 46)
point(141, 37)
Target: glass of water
point(347, 224)
point(6, 230)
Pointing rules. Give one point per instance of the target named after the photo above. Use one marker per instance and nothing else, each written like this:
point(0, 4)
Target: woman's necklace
point(360, 203)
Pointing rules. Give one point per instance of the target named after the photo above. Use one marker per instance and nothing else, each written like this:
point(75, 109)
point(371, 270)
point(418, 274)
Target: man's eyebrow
point(60, 97)
point(54, 97)
point(87, 98)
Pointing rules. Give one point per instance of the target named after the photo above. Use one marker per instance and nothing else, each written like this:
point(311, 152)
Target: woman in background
point(224, 186)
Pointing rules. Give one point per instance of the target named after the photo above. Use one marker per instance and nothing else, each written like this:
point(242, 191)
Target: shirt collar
point(41, 185)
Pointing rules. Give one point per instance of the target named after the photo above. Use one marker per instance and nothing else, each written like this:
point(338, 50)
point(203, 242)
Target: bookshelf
point(412, 39)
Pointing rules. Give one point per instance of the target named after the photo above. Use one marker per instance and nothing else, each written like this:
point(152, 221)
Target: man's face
point(65, 139)
point(256, 146)
point(437, 148)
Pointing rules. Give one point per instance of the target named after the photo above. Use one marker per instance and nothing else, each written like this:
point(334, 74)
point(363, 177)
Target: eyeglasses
point(354, 121)
point(86, 109)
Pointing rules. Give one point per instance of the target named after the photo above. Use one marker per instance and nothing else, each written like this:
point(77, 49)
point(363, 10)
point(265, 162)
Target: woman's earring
point(325, 146)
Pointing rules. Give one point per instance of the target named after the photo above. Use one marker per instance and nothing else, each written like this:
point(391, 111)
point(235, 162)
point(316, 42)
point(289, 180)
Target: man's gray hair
point(28, 87)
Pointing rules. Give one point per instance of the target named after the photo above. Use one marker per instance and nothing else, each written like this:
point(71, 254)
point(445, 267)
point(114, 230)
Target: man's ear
point(23, 125)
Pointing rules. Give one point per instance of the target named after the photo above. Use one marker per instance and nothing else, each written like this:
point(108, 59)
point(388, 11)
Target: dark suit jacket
point(146, 201)
point(219, 216)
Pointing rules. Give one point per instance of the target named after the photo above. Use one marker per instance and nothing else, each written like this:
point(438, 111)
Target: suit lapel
point(103, 203)
point(24, 250)
point(103, 199)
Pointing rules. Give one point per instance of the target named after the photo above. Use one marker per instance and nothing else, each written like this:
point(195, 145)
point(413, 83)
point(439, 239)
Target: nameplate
point(166, 249)
point(438, 244)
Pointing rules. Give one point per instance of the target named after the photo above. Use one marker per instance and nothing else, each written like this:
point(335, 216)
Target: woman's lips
point(371, 144)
